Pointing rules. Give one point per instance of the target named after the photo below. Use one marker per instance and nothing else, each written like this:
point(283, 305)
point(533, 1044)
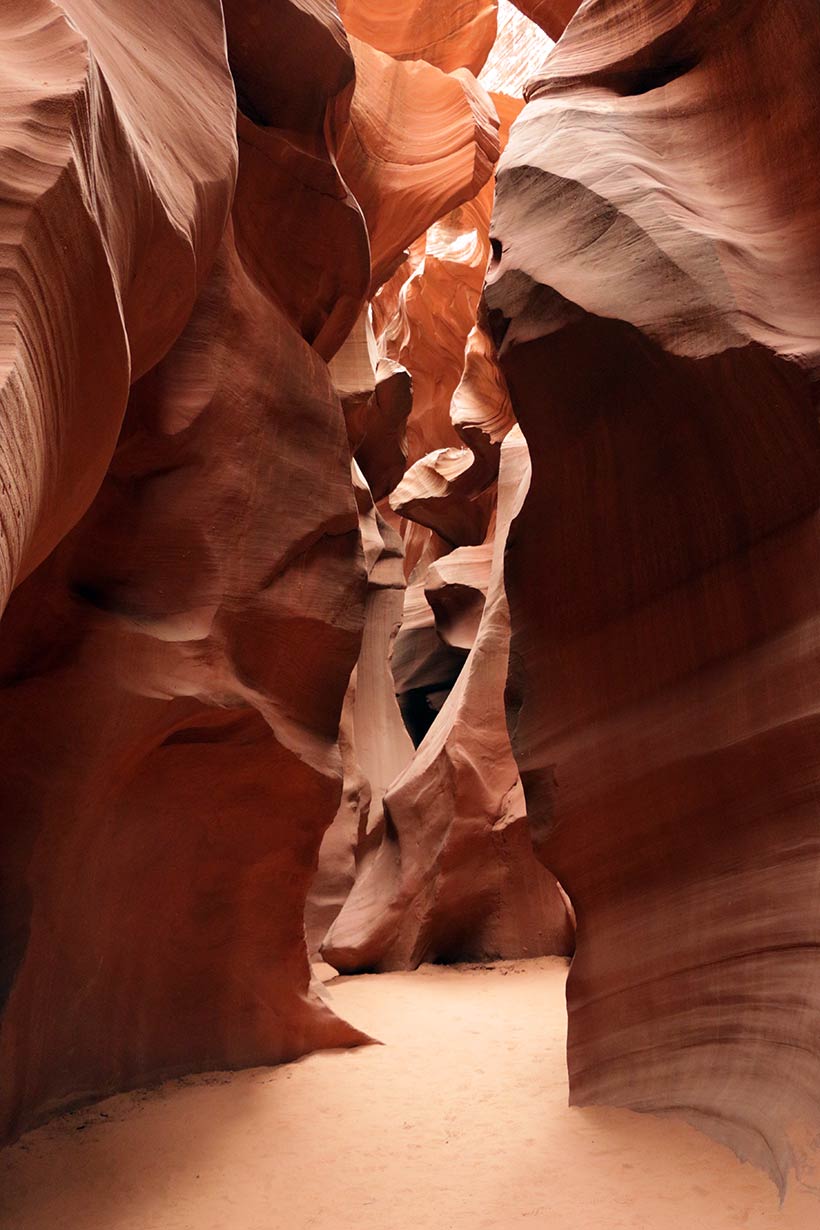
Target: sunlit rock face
point(553, 15)
point(216, 489)
point(305, 638)
point(455, 876)
point(444, 866)
point(448, 36)
point(653, 291)
point(520, 49)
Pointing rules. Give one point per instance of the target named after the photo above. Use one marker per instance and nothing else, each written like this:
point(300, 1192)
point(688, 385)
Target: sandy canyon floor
point(459, 1120)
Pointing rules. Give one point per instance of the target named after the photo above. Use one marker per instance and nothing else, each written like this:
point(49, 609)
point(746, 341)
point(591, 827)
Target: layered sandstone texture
point(444, 865)
point(213, 382)
point(455, 876)
point(174, 669)
point(654, 294)
point(304, 639)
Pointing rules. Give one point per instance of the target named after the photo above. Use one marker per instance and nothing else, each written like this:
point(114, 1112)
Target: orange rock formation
point(305, 637)
point(654, 293)
point(198, 582)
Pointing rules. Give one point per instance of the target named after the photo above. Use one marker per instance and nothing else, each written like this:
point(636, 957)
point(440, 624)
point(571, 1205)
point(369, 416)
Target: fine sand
point(459, 1121)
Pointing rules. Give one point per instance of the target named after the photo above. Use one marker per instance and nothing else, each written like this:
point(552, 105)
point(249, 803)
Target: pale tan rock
point(521, 45)
point(456, 586)
point(375, 745)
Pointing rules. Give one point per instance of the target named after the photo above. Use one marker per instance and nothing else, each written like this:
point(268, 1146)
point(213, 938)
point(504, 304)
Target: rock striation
point(105, 242)
point(455, 876)
point(173, 672)
point(399, 565)
point(448, 873)
point(653, 291)
point(200, 423)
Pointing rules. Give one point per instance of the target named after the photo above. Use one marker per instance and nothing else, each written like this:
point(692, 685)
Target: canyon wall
point(173, 671)
point(654, 295)
point(363, 519)
point(444, 866)
point(201, 573)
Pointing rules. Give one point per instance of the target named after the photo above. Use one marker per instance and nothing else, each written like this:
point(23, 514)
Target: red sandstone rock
point(419, 142)
point(652, 269)
point(174, 671)
point(552, 16)
point(175, 667)
point(430, 494)
point(105, 242)
point(377, 397)
point(174, 676)
point(423, 317)
point(448, 36)
point(296, 221)
point(201, 586)
point(450, 489)
point(455, 877)
point(289, 59)
point(441, 881)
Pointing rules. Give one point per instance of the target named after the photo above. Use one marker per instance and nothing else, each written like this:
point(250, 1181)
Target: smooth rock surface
point(653, 291)
point(473, 1131)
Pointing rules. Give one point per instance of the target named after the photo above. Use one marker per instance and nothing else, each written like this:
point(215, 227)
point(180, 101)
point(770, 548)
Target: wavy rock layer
point(455, 877)
point(651, 270)
point(173, 680)
point(448, 36)
point(105, 242)
point(296, 221)
point(198, 578)
point(173, 673)
point(448, 873)
point(419, 142)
